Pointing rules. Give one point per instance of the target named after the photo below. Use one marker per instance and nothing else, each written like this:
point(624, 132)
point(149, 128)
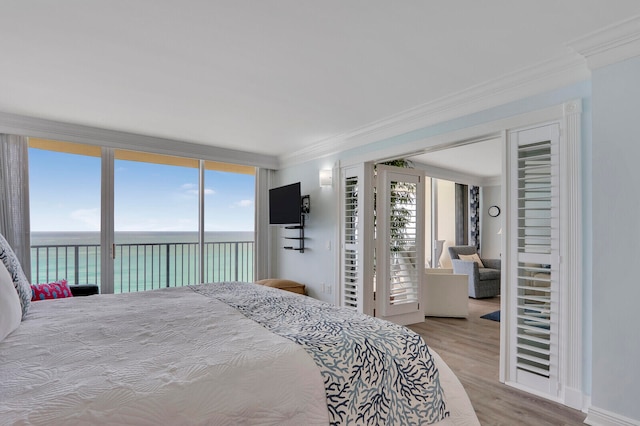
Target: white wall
point(489, 226)
point(447, 211)
point(616, 232)
point(316, 267)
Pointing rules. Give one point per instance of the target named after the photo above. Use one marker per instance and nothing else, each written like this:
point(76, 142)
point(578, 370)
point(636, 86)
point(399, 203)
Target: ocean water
point(143, 260)
point(61, 238)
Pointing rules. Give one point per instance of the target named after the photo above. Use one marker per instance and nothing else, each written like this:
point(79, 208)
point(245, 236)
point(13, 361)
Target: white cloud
point(192, 189)
point(90, 217)
point(244, 203)
point(155, 224)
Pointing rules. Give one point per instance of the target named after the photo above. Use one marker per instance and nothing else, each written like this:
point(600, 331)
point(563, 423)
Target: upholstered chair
point(484, 274)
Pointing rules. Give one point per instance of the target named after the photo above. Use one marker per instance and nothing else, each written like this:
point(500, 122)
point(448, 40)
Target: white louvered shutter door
point(356, 267)
point(534, 242)
point(399, 241)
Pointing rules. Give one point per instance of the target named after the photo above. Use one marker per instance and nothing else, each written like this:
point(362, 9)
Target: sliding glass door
point(162, 221)
point(155, 221)
point(229, 206)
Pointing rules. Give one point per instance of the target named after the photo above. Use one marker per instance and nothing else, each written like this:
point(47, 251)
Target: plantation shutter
point(356, 267)
point(534, 242)
point(400, 243)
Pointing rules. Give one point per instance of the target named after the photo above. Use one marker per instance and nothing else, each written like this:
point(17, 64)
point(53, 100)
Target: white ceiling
point(271, 76)
point(480, 159)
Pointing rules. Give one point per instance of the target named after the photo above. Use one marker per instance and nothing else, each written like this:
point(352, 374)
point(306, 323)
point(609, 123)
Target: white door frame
point(570, 306)
point(519, 259)
point(569, 115)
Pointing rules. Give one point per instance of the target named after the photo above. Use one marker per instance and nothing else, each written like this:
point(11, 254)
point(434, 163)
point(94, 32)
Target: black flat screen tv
point(284, 205)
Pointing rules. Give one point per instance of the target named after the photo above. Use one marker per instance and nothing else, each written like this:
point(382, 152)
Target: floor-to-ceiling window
point(64, 199)
point(156, 211)
point(440, 218)
point(447, 218)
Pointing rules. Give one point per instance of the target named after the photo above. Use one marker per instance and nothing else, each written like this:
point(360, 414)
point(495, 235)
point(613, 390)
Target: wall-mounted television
point(284, 205)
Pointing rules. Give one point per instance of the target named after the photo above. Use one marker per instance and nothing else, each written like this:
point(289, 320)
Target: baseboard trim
point(599, 417)
point(573, 398)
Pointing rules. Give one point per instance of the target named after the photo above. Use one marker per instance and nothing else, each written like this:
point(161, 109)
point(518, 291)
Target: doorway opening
point(567, 368)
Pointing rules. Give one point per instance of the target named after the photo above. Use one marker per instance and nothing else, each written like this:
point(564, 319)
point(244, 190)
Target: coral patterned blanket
point(375, 372)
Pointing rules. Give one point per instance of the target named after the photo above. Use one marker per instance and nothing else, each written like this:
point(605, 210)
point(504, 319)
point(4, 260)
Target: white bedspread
point(165, 357)
point(199, 362)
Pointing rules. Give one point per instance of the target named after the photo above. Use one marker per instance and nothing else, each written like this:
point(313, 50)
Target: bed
point(221, 354)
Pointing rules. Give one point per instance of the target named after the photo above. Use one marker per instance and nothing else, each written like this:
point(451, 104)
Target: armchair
point(483, 281)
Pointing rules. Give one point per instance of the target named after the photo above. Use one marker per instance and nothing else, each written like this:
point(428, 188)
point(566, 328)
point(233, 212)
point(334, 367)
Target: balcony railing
point(139, 267)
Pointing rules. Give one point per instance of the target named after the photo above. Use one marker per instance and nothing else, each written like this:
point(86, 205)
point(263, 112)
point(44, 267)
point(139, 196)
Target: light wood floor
point(471, 347)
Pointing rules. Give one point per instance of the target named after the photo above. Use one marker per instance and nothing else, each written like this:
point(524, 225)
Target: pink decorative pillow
point(55, 290)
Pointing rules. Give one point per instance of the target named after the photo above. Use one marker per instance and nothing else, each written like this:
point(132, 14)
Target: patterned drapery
point(474, 217)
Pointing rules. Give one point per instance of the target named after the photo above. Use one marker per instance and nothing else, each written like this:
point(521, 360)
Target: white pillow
point(474, 257)
point(10, 309)
point(22, 286)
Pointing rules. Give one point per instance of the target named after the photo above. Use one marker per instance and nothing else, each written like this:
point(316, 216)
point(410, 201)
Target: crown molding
point(545, 76)
point(610, 44)
point(68, 132)
point(605, 46)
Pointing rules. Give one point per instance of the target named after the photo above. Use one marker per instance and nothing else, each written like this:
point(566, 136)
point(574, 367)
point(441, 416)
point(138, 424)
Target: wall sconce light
point(500, 231)
point(326, 177)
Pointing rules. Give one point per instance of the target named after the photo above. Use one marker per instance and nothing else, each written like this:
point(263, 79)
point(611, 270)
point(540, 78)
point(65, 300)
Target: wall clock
point(494, 211)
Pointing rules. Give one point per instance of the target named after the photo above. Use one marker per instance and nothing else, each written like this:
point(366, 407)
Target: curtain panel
point(462, 214)
point(474, 215)
point(263, 232)
point(14, 197)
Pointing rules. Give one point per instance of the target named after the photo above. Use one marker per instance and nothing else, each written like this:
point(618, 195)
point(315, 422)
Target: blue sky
point(65, 196)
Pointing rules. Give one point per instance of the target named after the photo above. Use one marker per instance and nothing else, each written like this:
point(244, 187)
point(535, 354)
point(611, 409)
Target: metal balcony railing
point(139, 267)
